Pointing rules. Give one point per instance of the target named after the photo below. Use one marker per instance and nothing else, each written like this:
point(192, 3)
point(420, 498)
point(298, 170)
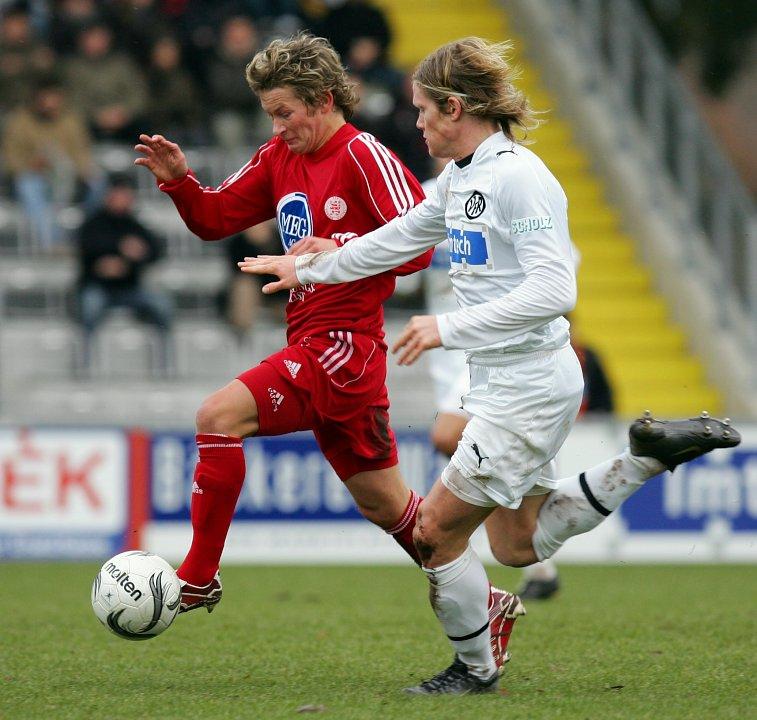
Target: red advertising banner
point(63, 493)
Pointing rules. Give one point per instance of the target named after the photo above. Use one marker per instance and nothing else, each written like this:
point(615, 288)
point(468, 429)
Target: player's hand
point(162, 158)
point(312, 245)
point(421, 333)
point(280, 265)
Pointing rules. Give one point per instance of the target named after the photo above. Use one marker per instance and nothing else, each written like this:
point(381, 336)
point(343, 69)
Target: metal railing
point(619, 45)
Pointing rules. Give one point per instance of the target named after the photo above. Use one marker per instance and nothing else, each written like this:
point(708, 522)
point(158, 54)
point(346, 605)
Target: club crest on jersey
point(469, 248)
point(335, 208)
point(475, 205)
point(294, 218)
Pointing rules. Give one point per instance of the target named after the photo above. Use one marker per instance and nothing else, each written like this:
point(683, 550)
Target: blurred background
point(649, 108)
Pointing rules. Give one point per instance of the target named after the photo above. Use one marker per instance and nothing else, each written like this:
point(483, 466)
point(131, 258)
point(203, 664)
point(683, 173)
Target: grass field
point(341, 642)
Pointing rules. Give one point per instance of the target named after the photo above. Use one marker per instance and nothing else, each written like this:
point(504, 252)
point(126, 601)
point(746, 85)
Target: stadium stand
point(648, 357)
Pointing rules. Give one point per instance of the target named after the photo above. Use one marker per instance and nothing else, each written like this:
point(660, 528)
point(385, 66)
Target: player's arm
point(242, 200)
point(539, 233)
point(402, 240)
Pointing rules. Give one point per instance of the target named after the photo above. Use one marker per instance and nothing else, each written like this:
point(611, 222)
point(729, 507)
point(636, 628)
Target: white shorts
point(451, 378)
point(521, 414)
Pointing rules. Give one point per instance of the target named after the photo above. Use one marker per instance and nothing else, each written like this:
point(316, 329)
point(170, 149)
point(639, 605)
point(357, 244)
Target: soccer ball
point(136, 595)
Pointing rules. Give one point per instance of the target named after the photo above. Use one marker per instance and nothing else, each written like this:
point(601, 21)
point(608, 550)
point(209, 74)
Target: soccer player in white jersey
point(505, 216)
point(450, 377)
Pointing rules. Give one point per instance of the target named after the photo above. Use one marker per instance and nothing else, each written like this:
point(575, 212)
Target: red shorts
point(335, 386)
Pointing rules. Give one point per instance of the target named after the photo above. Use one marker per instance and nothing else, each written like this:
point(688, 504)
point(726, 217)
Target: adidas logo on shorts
point(293, 367)
point(196, 488)
point(276, 398)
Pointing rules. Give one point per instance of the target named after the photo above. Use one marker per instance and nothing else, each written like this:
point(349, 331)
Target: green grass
point(619, 642)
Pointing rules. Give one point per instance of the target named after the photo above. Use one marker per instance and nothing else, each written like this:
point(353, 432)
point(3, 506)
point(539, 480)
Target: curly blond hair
point(307, 64)
point(478, 73)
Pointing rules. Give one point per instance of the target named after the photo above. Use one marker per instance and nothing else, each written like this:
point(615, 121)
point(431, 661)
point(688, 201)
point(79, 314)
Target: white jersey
point(510, 259)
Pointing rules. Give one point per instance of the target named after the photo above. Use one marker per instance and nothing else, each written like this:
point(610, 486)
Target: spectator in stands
point(237, 119)
point(22, 57)
point(395, 127)
point(173, 96)
point(106, 85)
point(360, 33)
point(137, 25)
point(349, 23)
point(114, 250)
point(47, 152)
point(598, 395)
point(69, 18)
point(242, 299)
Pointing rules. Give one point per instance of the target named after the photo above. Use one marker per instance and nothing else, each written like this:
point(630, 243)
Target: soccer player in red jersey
point(318, 176)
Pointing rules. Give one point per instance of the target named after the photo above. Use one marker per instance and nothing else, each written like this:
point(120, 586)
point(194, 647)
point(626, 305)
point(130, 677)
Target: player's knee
point(425, 537)
point(213, 416)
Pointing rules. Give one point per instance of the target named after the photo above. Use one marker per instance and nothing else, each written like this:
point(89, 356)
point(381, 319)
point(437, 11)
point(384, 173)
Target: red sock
point(402, 532)
point(218, 480)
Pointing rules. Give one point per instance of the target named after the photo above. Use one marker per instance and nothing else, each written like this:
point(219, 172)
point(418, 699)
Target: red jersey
point(348, 187)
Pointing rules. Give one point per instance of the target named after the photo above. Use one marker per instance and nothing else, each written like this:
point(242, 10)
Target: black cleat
point(673, 442)
point(539, 589)
point(455, 680)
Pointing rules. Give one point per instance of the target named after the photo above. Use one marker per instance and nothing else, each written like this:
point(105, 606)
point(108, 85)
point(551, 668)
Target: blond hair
point(307, 64)
point(478, 73)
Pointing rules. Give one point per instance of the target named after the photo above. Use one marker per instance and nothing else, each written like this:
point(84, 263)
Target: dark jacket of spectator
point(598, 395)
point(106, 234)
point(69, 18)
point(355, 19)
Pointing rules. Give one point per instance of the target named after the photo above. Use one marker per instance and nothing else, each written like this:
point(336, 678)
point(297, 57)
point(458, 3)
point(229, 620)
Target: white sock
point(580, 503)
point(459, 593)
point(543, 571)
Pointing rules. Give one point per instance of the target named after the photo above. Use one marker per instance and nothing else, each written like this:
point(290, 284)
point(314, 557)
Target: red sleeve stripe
point(391, 172)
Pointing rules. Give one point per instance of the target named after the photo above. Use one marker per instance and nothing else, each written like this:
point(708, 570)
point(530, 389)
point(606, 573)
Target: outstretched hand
point(420, 334)
point(280, 265)
point(162, 158)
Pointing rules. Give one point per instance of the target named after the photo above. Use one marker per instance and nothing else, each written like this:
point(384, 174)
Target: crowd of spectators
point(78, 74)
point(177, 67)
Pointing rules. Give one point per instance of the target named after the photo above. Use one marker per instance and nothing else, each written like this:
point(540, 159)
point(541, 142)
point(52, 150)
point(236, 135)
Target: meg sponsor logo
point(295, 220)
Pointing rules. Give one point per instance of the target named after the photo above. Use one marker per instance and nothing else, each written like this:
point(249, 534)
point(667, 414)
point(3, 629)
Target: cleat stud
point(726, 433)
point(727, 421)
point(647, 414)
point(704, 415)
point(707, 430)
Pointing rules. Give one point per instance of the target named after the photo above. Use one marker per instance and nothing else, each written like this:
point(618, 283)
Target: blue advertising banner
point(287, 477)
point(717, 486)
